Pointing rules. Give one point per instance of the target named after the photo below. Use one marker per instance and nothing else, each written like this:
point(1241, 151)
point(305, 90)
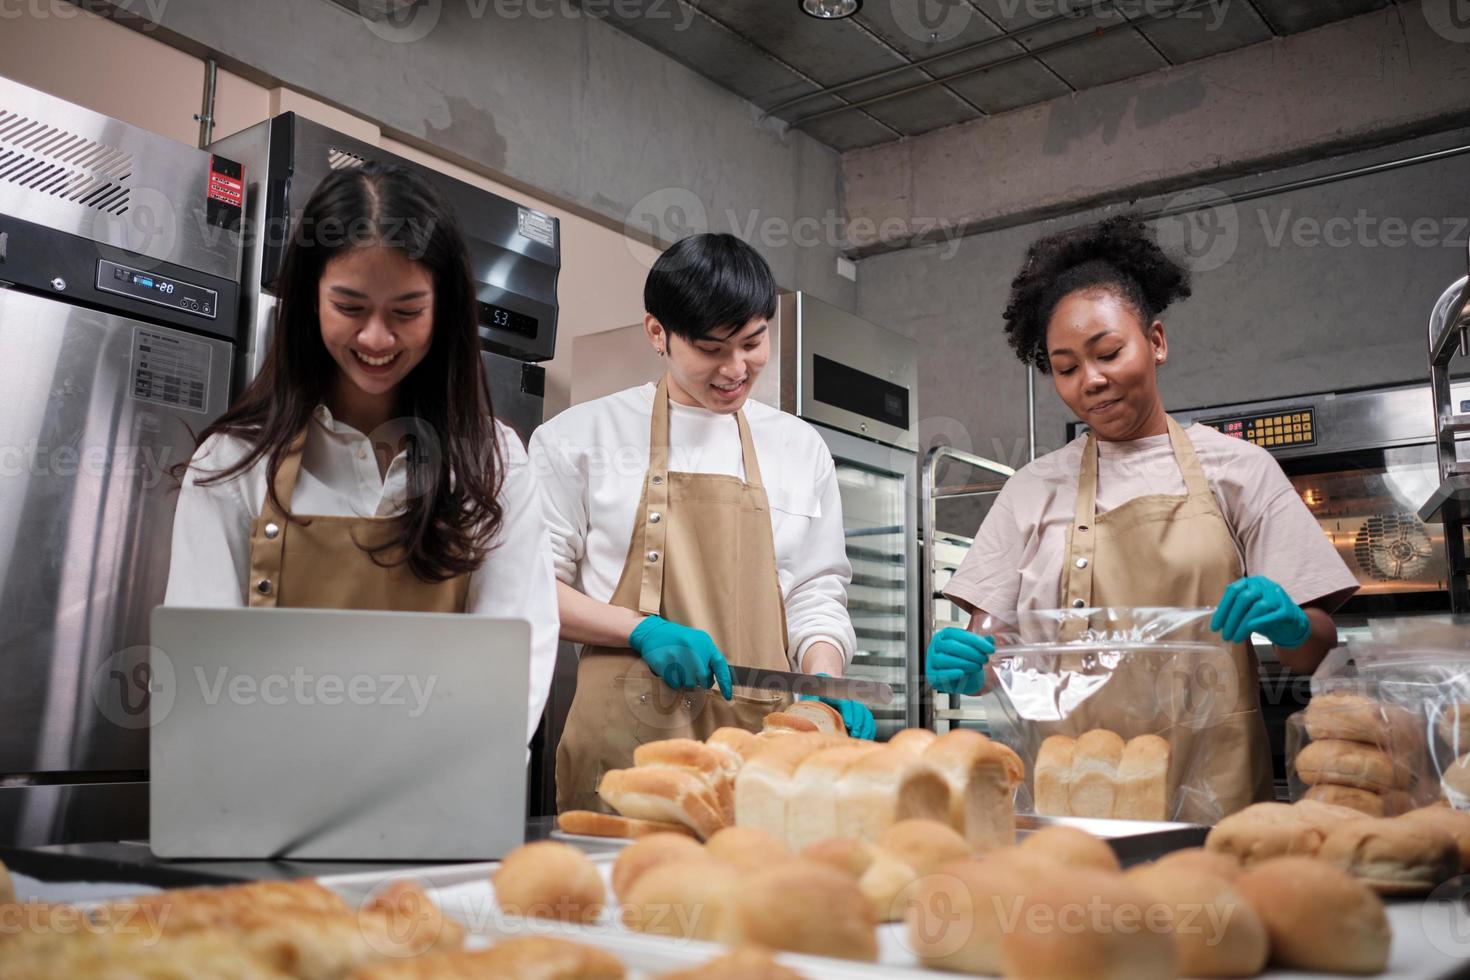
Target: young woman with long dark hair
point(363, 468)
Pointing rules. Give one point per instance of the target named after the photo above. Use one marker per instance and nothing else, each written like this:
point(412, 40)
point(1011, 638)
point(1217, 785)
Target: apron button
point(271, 530)
point(653, 556)
point(1078, 604)
point(1081, 527)
point(643, 699)
point(658, 481)
point(654, 517)
point(1081, 562)
point(263, 586)
point(689, 703)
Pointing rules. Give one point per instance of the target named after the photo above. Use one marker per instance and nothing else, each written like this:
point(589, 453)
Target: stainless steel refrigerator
point(856, 383)
point(118, 291)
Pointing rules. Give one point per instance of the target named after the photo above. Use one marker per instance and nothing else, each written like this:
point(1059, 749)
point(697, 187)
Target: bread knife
point(786, 682)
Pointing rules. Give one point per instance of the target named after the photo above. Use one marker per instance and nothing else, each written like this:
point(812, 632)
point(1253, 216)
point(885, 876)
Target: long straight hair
point(455, 466)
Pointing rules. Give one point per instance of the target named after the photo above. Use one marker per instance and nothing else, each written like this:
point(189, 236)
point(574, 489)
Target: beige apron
point(318, 561)
point(702, 555)
point(1165, 550)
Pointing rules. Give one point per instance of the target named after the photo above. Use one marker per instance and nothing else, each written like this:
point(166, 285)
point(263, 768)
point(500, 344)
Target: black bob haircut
point(709, 283)
point(1117, 254)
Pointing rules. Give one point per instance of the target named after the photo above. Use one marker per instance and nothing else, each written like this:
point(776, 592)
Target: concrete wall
point(1313, 290)
point(544, 98)
point(1394, 73)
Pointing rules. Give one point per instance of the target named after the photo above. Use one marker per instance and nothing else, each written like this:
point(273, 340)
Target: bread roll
point(1265, 830)
point(737, 740)
point(1087, 925)
point(1365, 801)
point(749, 963)
point(802, 907)
point(1218, 933)
point(1071, 847)
point(1094, 786)
point(911, 740)
point(847, 854)
point(647, 853)
point(1456, 823)
point(1143, 780)
point(590, 823)
point(1455, 781)
point(746, 848)
point(1355, 718)
point(827, 719)
point(549, 880)
point(518, 958)
point(685, 899)
point(1217, 863)
point(904, 853)
point(1350, 764)
point(957, 915)
point(1393, 857)
point(688, 755)
point(666, 795)
point(1053, 781)
point(1318, 916)
point(811, 813)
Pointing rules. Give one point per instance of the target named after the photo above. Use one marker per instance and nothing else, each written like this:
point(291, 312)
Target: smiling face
point(716, 374)
point(376, 308)
point(1104, 362)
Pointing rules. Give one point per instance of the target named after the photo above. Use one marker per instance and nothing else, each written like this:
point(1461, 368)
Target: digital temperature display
point(153, 288)
point(500, 318)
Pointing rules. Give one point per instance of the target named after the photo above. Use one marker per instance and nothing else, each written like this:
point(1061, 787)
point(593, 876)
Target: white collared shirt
point(590, 462)
point(210, 563)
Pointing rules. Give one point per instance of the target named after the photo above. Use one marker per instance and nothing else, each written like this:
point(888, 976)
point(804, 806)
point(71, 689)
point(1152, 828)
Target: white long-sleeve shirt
point(210, 563)
point(590, 462)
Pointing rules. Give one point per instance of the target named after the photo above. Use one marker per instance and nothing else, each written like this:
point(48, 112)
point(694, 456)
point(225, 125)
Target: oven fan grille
point(45, 159)
point(1392, 547)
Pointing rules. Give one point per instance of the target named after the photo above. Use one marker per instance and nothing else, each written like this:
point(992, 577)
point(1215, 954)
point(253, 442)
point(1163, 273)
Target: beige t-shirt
point(1016, 561)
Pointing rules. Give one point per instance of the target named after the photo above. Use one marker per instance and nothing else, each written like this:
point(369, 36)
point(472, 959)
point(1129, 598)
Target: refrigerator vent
point(46, 160)
point(342, 160)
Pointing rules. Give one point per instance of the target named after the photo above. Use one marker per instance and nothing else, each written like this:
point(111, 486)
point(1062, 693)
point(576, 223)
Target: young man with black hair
point(691, 529)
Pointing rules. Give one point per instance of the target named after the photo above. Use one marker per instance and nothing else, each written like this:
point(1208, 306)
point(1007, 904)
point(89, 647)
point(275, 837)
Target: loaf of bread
point(1094, 782)
point(664, 795)
point(1143, 780)
point(903, 853)
point(957, 917)
point(1391, 856)
point(1217, 931)
point(685, 899)
point(1456, 823)
point(687, 755)
point(802, 907)
point(549, 880)
point(814, 803)
point(1071, 847)
point(746, 848)
point(1053, 776)
point(1355, 718)
point(764, 789)
point(1318, 916)
point(647, 853)
point(883, 787)
point(1100, 775)
point(590, 823)
point(517, 958)
point(1079, 924)
point(982, 777)
point(1350, 764)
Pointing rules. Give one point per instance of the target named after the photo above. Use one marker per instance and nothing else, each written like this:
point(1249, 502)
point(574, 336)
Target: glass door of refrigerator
point(874, 519)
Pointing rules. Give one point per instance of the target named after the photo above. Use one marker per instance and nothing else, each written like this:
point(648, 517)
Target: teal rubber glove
point(855, 715)
point(681, 657)
point(955, 663)
point(1256, 604)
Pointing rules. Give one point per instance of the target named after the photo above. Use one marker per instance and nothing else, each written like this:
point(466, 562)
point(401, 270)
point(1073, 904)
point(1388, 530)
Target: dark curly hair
point(1117, 254)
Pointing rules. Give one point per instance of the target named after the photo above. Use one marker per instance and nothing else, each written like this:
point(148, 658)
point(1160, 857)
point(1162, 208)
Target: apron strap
point(1076, 589)
point(268, 537)
point(656, 495)
point(1189, 464)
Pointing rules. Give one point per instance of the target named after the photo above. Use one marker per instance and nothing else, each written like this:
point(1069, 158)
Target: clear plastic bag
point(1160, 681)
point(1417, 670)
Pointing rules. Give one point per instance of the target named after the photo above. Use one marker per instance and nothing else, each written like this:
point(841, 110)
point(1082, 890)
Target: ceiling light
point(830, 9)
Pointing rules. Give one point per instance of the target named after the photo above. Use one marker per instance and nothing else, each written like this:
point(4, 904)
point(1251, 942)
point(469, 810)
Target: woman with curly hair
point(1139, 511)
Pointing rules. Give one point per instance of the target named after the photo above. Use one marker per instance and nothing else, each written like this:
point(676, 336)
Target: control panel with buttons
point(1271, 430)
point(141, 284)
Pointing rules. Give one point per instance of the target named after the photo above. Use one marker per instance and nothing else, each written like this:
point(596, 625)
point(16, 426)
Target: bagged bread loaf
point(1100, 775)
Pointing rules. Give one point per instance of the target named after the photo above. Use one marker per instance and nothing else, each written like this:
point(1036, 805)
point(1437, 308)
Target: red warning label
point(225, 182)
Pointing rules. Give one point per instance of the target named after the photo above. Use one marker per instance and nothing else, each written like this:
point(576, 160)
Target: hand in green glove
point(1256, 604)
point(681, 657)
point(955, 663)
point(855, 715)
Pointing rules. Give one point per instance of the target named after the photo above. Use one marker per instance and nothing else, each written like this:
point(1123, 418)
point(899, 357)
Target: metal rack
point(1449, 335)
point(941, 555)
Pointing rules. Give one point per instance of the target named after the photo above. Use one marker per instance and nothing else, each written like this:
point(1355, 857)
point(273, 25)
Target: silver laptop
point(326, 734)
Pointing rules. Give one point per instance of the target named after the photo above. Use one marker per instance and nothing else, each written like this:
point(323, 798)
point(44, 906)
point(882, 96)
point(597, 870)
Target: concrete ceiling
point(903, 67)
